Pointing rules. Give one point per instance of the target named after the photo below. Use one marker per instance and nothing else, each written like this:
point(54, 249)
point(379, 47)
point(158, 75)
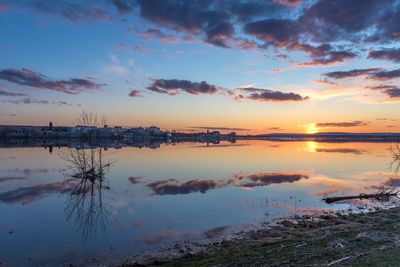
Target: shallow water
point(150, 197)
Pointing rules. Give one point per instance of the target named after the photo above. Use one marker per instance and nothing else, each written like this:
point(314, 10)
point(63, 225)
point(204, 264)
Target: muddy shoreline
point(323, 239)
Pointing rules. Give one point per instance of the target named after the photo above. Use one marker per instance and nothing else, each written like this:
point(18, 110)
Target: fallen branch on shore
point(385, 193)
point(380, 197)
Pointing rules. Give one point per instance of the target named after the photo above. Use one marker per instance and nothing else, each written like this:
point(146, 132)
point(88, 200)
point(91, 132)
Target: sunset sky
point(249, 66)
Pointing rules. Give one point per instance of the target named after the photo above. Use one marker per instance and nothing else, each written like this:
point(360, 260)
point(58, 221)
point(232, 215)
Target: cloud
point(341, 124)
point(200, 19)
point(288, 2)
point(385, 75)
point(31, 78)
point(326, 82)
point(338, 24)
point(352, 73)
point(123, 6)
point(386, 54)
point(174, 86)
point(114, 68)
point(175, 187)
point(265, 95)
point(136, 179)
point(71, 11)
point(29, 100)
point(389, 90)
point(8, 114)
point(279, 32)
point(5, 93)
point(219, 128)
point(323, 54)
point(3, 6)
point(135, 93)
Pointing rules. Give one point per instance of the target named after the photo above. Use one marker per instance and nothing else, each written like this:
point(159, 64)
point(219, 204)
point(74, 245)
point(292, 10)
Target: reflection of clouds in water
point(342, 150)
point(27, 171)
point(313, 147)
point(326, 192)
point(12, 178)
point(26, 195)
point(176, 187)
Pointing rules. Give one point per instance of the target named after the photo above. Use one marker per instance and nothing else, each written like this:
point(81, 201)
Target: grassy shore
point(321, 240)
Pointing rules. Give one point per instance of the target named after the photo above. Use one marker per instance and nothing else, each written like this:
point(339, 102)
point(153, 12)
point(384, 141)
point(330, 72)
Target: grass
point(358, 239)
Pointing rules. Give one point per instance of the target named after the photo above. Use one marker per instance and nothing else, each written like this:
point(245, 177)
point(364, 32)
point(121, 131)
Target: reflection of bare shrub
point(396, 158)
point(88, 184)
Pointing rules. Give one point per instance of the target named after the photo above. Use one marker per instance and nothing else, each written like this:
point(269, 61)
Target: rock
point(338, 243)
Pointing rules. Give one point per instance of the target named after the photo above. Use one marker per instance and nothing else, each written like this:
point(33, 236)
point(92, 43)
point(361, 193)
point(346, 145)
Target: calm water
point(149, 197)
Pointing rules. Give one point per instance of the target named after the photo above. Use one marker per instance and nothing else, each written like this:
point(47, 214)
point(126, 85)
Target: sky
point(267, 66)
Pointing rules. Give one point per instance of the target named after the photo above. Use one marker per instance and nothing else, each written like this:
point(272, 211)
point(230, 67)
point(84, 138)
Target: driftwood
point(378, 196)
point(384, 193)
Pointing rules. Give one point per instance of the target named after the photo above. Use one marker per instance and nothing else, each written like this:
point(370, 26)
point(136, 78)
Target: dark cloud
point(388, 24)
point(174, 86)
point(265, 95)
point(219, 128)
point(341, 124)
point(342, 150)
point(135, 93)
point(27, 101)
point(249, 10)
point(26, 195)
point(343, 15)
point(8, 114)
point(279, 32)
point(352, 73)
point(386, 54)
point(124, 6)
point(193, 17)
point(31, 78)
point(385, 75)
point(136, 180)
point(72, 11)
point(323, 54)
point(175, 187)
point(225, 23)
point(5, 93)
point(389, 90)
point(291, 3)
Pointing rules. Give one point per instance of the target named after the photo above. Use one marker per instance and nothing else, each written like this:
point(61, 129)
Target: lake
point(55, 209)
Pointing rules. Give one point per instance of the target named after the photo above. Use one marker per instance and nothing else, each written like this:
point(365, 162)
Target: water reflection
point(174, 186)
point(150, 197)
point(88, 184)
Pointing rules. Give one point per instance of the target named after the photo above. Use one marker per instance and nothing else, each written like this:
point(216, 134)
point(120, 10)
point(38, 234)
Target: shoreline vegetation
point(326, 239)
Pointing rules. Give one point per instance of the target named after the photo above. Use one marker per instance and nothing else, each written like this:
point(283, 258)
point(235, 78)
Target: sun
point(311, 128)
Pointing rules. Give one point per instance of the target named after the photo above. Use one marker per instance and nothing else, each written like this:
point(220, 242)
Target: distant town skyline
point(273, 66)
